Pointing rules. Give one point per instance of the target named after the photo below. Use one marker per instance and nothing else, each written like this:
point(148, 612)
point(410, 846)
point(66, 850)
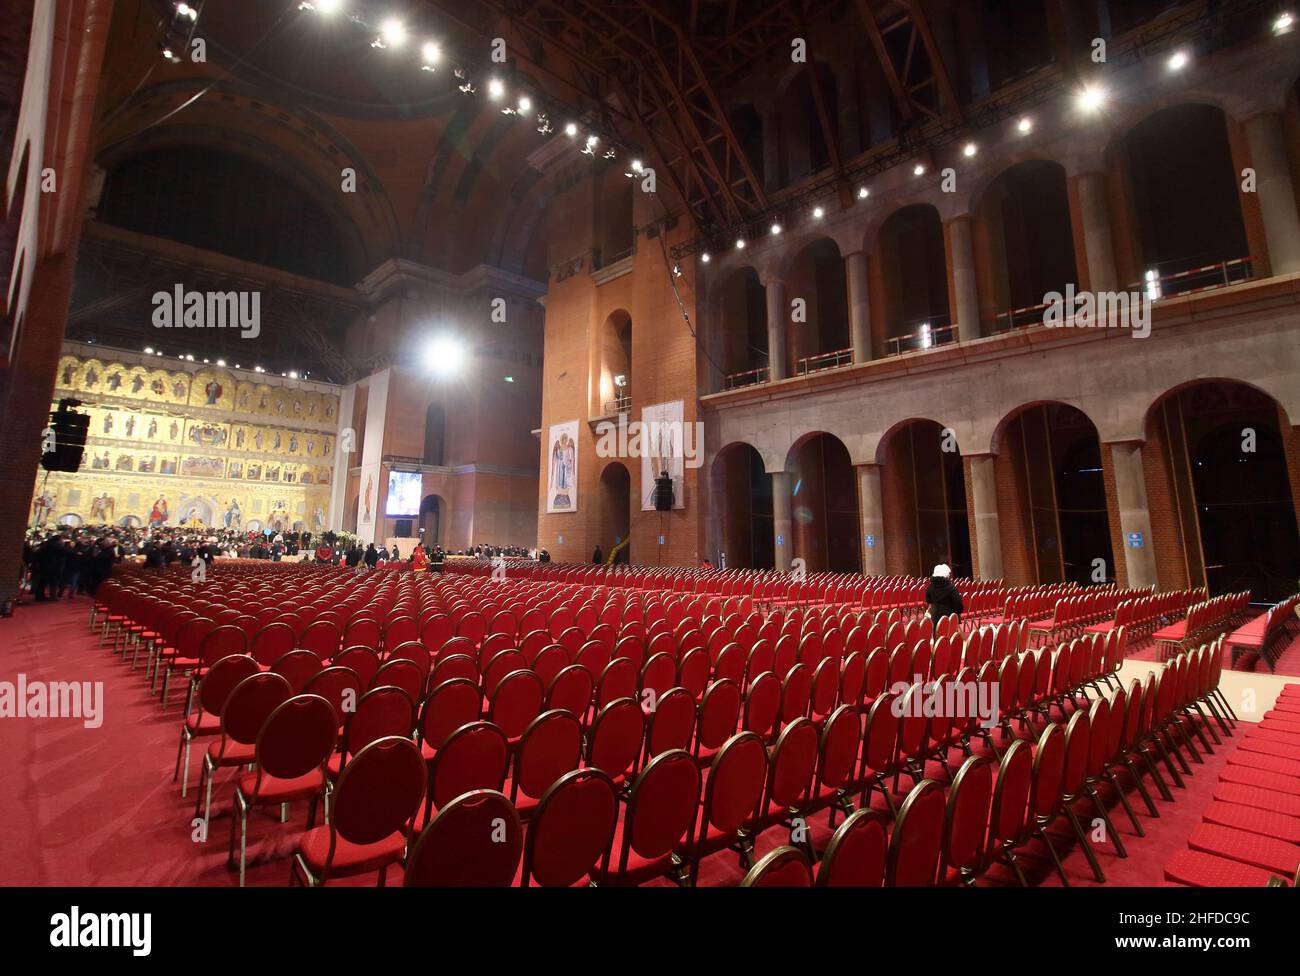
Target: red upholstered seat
point(1272, 764)
point(1254, 821)
point(1201, 870)
point(1273, 855)
point(275, 789)
point(1247, 776)
point(1254, 796)
point(349, 858)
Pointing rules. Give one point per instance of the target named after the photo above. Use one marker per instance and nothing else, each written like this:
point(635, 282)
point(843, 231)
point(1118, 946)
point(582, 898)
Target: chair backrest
point(221, 679)
point(222, 642)
point(381, 712)
point(719, 715)
point(474, 757)
point(250, 703)
point(272, 642)
point(855, 856)
point(618, 680)
point(572, 829)
point(671, 722)
point(474, 841)
point(967, 815)
point(339, 686)
point(793, 765)
point(1049, 771)
point(880, 734)
point(837, 755)
point(571, 690)
point(550, 747)
point(297, 737)
point(321, 638)
point(914, 847)
point(379, 791)
point(1078, 743)
point(363, 660)
point(795, 691)
point(1011, 795)
point(616, 736)
point(785, 867)
point(661, 808)
point(449, 705)
point(516, 702)
point(298, 667)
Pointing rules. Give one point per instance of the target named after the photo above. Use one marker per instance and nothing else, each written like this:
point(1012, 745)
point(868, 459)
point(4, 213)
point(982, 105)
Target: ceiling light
point(919, 169)
point(1178, 61)
point(148, 350)
point(444, 355)
point(327, 7)
point(495, 88)
point(705, 257)
point(818, 213)
point(863, 193)
point(1283, 24)
point(970, 150)
point(570, 130)
point(1091, 98)
point(740, 243)
point(1025, 125)
point(776, 228)
point(430, 54)
point(525, 103)
point(393, 31)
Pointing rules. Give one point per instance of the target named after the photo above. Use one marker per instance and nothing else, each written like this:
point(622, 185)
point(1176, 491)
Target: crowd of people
point(64, 561)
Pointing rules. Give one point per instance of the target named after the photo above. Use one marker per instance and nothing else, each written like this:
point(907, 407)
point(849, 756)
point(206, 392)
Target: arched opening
point(615, 512)
point(742, 490)
point(431, 521)
point(924, 489)
point(818, 305)
point(1050, 455)
point(914, 268)
point(1024, 220)
point(1177, 155)
point(435, 431)
point(742, 327)
point(616, 363)
point(1216, 456)
point(824, 505)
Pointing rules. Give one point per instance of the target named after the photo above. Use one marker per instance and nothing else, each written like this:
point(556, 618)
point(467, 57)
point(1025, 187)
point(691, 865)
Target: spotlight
point(189, 359)
point(863, 193)
point(221, 362)
point(495, 88)
point(775, 228)
point(205, 362)
point(705, 257)
point(148, 350)
point(636, 166)
point(591, 141)
point(570, 130)
point(525, 103)
point(1283, 24)
point(1025, 125)
point(970, 150)
point(1091, 98)
point(740, 243)
point(1178, 61)
point(327, 7)
point(677, 270)
point(393, 31)
point(430, 54)
point(185, 10)
point(293, 374)
point(444, 355)
point(509, 379)
point(818, 213)
point(919, 169)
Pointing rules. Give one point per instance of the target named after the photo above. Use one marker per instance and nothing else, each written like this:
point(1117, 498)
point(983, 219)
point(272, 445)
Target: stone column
point(965, 290)
point(1276, 197)
point(776, 320)
point(782, 523)
point(1134, 516)
point(859, 306)
point(871, 507)
point(984, 502)
point(1097, 241)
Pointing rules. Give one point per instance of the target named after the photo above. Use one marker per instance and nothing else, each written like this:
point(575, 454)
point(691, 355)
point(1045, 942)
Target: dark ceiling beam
point(877, 39)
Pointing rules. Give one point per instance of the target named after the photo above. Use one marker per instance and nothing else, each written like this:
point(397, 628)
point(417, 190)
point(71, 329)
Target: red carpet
point(97, 806)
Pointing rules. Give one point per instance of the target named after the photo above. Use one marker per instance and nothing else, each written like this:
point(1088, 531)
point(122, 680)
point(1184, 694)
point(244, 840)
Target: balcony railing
point(734, 381)
point(824, 360)
point(924, 334)
point(620, 404)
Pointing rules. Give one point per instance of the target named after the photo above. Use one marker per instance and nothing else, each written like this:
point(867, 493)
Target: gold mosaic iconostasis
point(200, 445)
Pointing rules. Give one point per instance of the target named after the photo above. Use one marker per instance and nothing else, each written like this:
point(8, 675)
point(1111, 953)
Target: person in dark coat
point(941, 595)
point(372, 556)
point(596, 557)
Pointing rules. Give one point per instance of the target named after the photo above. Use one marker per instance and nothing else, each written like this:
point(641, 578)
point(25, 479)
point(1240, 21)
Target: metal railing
point(937, 330)
point(823, 360)
point(620, 404)
point(734, 381)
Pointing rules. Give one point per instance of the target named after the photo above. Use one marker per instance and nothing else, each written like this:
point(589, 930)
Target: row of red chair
point(1205, 621)
point(1260, 636)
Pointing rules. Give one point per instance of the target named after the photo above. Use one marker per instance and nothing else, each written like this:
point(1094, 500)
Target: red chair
point(340, 687)
point(381, 712)
point(619, 680)
point(321, 638)
point(790, 775)
point(966, 821)
point(671, 724)
point(363, 660)
point(449, 706)
point(272, 642)
point(719, 715)
point(1008, 822)
point(246, 710)
point(516, 701)
point(659, 814)
point(732, 802)
point(214, 690)
point(474, 757)
point(914, 847)
point(376, 798)
point(298, 667)
point(855, 856)
point(291, 750)
point(474, 841)
point(571, 830)
point(785, 867)
point(762, 705)
point(571, 690)
point(550, 747)
point(615, 741)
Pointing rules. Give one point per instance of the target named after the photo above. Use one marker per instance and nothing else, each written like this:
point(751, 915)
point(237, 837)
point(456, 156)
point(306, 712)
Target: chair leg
point(1083, 842)
point(1218, 693)
point(1203, 724)
point(1142, 790)
point(1154, 770)
point(1015, 864)
point(1218, 716)
point(1041, 834)
point(1101, 809)
point(1137, 826)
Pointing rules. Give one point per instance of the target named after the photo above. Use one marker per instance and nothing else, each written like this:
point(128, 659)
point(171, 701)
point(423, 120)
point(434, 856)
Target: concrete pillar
point(776, 319)
point(984, 502)
point(1276, 197)
point(1097, 241)
point(1134, 516)
point(871, 507)
point(859, 306)
point(965, 289)
point(782, 523)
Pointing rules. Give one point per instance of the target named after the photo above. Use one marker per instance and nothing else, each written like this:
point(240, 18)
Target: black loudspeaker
point(402, 528)
point(69, 438)
point(664, 493)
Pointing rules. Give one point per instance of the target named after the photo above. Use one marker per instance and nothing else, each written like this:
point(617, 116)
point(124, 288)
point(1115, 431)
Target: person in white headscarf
point(941, 595)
